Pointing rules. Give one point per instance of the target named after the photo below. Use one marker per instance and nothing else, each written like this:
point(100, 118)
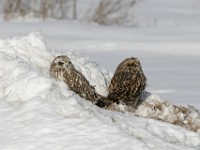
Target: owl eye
point(69, 62)
point(60, 63)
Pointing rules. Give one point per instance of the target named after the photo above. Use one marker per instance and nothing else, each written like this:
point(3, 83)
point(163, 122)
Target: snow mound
point(38, 112)
point(24, 75)
point(25, 63)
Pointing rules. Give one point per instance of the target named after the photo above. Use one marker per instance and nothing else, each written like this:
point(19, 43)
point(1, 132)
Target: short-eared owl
point(127, 83)
point(63, 69)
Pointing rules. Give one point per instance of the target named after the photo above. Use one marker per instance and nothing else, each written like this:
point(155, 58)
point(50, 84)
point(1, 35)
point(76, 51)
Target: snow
point(169, 13)
point(38, 112)
point(168, 54)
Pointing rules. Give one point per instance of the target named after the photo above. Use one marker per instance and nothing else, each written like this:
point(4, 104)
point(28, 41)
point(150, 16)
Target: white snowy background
point(38, 112)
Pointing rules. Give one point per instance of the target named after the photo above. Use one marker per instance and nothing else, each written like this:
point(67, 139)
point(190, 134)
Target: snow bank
point(26, 73)
point(38, 112)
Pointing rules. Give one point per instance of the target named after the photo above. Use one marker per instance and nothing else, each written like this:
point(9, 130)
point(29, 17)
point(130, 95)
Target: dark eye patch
point(60, 63)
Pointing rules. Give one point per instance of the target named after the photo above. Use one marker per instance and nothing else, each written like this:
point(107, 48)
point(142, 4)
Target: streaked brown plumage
point(127, 83)
point(63, 69)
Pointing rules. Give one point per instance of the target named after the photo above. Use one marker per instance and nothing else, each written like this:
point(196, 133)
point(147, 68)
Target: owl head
point(59, 65)
point(129, 64)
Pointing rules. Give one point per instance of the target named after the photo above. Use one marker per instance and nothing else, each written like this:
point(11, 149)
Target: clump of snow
point(38, 112)
point(153, 107)
point(23, 68)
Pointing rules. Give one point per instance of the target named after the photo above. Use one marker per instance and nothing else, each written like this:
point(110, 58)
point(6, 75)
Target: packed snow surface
point(38, 112)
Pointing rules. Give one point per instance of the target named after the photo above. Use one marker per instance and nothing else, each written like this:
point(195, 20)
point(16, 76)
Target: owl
point(127, 83)
point(62, 69)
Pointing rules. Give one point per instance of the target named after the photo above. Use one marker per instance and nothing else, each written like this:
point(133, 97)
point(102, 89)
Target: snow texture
point(38, 112)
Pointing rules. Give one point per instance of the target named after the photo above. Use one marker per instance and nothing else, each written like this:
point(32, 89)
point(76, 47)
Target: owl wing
point(80, 85)
point(125, 86)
